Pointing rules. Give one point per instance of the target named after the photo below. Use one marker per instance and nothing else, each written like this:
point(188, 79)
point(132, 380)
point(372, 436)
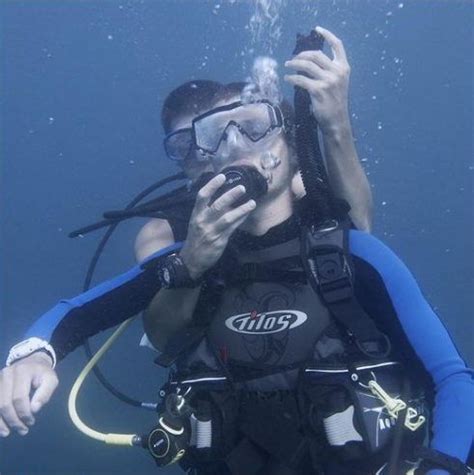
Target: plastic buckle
point(332, 274)
point(410, 422)
point(395, 405)
point(324, 228)
point(380, 348)
point(330, 266)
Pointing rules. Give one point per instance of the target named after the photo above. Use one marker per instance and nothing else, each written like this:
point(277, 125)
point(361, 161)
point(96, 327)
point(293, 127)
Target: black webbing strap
point(330, 273)
point(179, 343)
point(432, 459)
point(256, 272)
point(246, 457)
point(273, 426)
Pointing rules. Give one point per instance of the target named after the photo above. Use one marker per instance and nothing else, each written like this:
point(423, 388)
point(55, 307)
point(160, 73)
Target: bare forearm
point(346, 175)
point(169, 311)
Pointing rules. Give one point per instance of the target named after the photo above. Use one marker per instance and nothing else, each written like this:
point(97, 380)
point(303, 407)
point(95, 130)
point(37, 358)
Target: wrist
point(42, 356)
point(337, 127)
point(195, 271)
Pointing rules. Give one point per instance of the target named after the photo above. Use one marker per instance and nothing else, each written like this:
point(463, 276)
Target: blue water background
point(82, 85)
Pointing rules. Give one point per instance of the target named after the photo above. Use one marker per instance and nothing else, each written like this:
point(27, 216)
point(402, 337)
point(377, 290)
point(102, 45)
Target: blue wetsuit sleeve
point(453, 412)
point(72, 321)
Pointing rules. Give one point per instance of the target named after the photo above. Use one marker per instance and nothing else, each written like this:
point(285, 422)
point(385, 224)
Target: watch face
point(165, 276)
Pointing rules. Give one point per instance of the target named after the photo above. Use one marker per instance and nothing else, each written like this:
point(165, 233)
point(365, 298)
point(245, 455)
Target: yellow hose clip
point(413, 420)
point(393, 405)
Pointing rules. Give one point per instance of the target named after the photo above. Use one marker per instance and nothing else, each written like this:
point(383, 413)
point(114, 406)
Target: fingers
point(313, 70)
point(7, 409)
point(45, 383)
point(224, 202)
point(315, 57)
point(233, 219)
point(4, 430)
point(335, 43)
point(207, 191)
point(21, 400)
point(319, 71)
point(310, 85)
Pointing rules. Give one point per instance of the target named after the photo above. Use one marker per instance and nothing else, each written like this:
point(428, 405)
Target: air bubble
point(269, 161)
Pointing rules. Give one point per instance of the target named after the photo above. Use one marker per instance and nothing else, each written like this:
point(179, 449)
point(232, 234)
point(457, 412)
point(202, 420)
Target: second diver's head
point(209, 127)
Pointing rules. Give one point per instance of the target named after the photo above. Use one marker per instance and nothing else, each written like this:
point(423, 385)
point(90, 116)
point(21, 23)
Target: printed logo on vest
point(267, 322)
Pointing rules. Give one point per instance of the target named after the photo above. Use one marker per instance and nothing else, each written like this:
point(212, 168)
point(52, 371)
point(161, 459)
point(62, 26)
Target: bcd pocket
point(357, 408)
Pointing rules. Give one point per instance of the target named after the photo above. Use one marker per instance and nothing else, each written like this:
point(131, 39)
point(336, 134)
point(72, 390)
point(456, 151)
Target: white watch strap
point(29, 346)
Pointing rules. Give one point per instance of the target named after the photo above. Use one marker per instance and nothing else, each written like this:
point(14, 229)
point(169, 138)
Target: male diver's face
point(270, 157)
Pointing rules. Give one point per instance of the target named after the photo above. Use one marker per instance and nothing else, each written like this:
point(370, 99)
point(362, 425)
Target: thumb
point(45, 385)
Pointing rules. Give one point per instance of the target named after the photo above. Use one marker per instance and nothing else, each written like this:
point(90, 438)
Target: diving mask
point(253, 122)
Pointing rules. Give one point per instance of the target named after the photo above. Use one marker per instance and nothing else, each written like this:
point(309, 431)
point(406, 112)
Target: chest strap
point(288, 270)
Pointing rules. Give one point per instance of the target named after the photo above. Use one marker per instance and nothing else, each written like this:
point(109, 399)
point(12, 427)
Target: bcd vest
point(287, 314)
point(271, 319)
point(275, 309)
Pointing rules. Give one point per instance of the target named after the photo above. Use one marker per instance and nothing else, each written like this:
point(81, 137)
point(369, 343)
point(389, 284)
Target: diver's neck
point(269, 213)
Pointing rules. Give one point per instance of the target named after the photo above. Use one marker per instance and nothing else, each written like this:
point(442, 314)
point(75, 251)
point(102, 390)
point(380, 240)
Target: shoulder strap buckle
point(332, 273)
point(327, 262)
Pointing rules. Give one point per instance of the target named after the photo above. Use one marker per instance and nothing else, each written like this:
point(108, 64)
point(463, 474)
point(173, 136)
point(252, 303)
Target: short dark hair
point(194, 97)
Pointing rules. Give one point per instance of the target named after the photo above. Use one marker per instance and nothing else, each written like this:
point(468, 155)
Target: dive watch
point(28, 347)
point(174, 274)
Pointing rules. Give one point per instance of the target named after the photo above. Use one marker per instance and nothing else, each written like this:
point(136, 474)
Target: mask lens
point(256, 120)
point(208, 133)
point(252, 120)
point(179, 145)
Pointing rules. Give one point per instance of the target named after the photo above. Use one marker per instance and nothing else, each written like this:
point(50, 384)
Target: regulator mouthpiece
point(254, 182)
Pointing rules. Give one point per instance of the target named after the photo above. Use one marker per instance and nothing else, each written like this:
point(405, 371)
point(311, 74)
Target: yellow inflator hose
point(115, 439)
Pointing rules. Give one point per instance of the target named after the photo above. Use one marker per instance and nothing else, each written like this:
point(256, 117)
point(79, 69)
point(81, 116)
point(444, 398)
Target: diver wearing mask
point(241, 284)
point(297, 367)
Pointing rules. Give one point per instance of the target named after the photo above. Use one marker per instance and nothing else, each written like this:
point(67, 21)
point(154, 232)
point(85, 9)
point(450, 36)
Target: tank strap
point(326, 257)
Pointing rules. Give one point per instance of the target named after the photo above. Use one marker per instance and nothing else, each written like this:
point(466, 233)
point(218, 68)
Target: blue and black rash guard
point(383, 286)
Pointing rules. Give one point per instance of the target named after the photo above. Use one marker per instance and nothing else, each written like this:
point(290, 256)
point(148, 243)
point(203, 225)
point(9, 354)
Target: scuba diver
point(297, 343)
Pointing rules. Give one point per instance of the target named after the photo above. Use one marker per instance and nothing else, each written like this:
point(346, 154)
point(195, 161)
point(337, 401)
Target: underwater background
point(82, 83)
